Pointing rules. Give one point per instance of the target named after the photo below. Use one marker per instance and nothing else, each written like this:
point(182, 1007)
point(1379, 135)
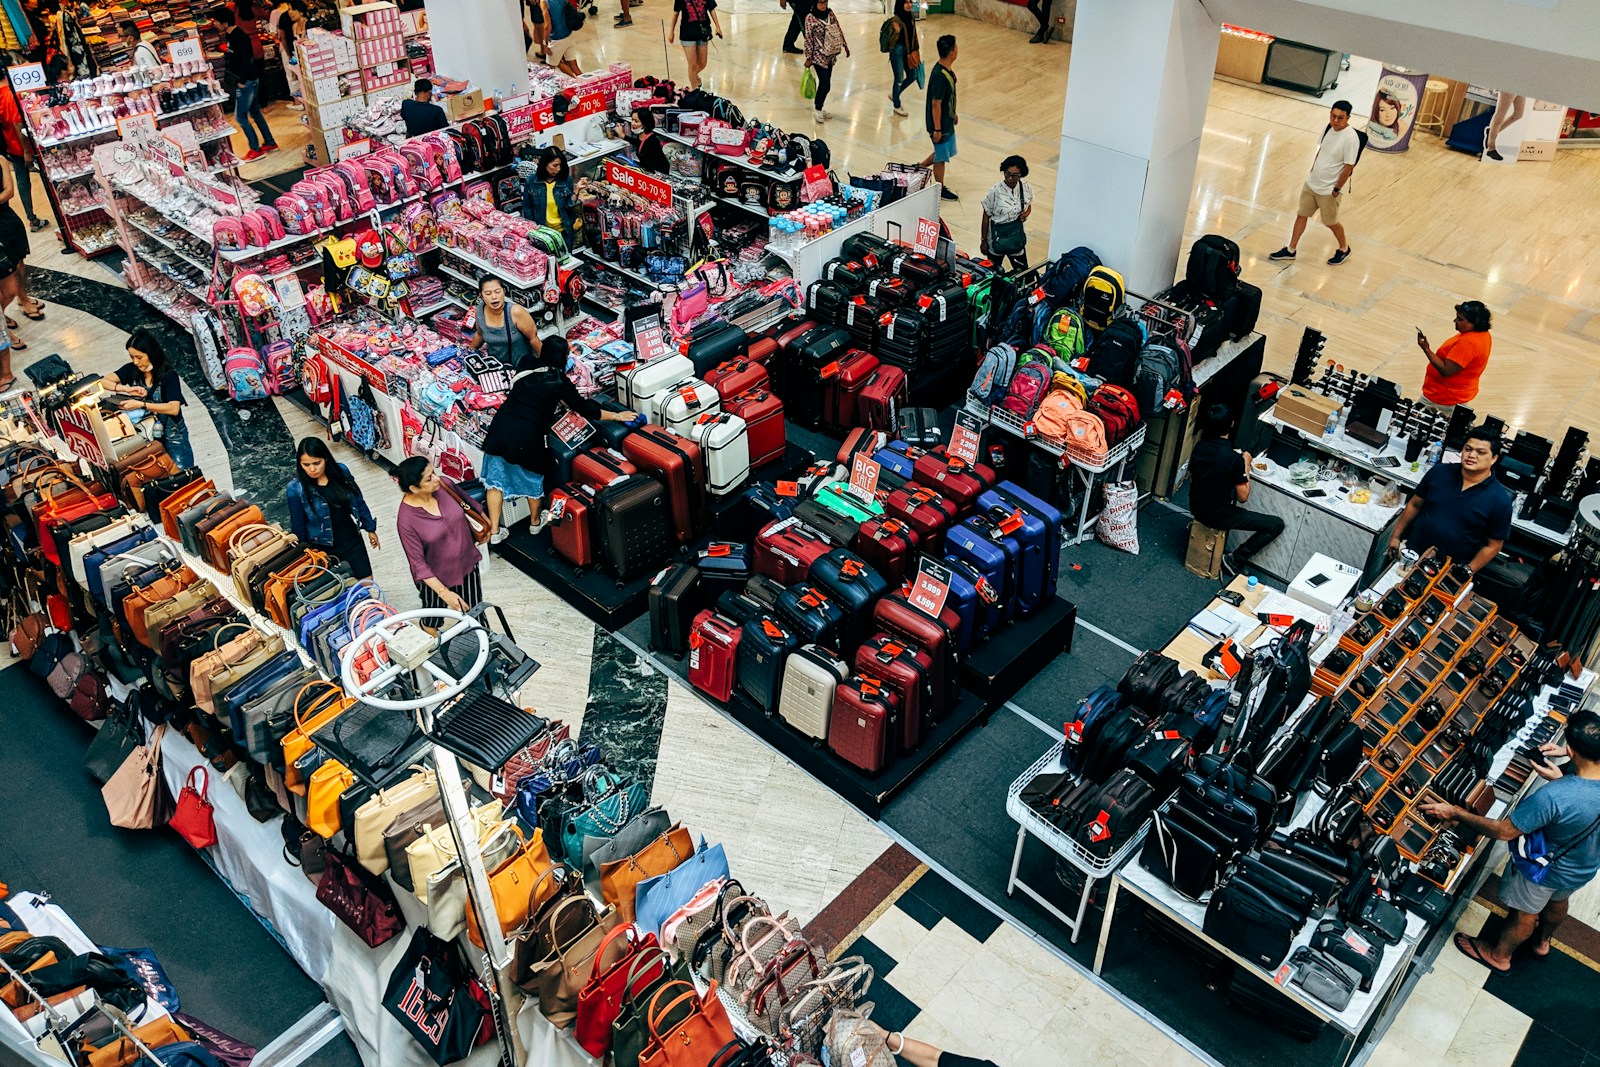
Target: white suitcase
point(809, 679)
point(683, 404)
point(724, 441)
point(643, 387)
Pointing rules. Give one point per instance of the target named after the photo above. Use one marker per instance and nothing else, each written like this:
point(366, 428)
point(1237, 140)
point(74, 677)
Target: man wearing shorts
point(1330, 170)
point(563, 52)
point(941, 113)
point(1567, 810)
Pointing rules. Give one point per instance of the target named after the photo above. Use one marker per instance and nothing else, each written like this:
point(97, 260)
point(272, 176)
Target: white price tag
point(27, 76)
point(186, 50)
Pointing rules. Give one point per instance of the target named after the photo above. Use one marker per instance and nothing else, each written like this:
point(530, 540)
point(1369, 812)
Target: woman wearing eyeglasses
point(1005, 208)
point(1454, 370)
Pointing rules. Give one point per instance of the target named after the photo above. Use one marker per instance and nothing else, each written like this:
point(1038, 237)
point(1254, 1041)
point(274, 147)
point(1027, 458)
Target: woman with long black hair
point(148, 378)
point(326, 507)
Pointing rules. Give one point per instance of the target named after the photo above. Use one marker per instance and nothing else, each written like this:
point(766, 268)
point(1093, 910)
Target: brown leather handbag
point(280, 586)
point(140, 600)
point(250, 547)
point(518, 886)
point(619, 880)
point(315, 706)
point(216, 513)
point(231, 662)
point(574, 932)
point(217, 538)
point(146, 469)
point(158, 616)
point(182, 501)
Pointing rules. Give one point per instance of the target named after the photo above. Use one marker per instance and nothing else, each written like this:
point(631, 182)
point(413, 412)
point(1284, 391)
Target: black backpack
point(1114, 356)
point(1361, 135)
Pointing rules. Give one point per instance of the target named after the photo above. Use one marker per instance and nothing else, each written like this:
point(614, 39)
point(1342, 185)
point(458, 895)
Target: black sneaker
point(1339, 257)
point(793, 51)
point(1283, 253)
point(946, 194)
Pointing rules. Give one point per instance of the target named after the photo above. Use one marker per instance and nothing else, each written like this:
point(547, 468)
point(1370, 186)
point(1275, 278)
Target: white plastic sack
point(1118, 525)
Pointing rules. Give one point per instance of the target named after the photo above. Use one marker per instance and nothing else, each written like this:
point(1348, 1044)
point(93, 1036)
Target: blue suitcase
point(898, 457)
point(980, 615)
point(854, 587)
point(979, 543)
point(1040, 535)
point(562, 452)
point(763, 652)
point(811, 613)
point(724, 564)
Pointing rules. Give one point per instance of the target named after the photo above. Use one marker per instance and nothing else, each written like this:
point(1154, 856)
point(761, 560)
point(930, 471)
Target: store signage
point(78, 432)
point(636, 181)
point(186, 50)
point(964, 438)
point(864, 471)
point(354, 149)
point(648, 342)
point(927, 236)
point(165, 148)
point(27, 76)
point(347, 360)
point(932, 587)
point(519, 122)
point(137, 129)
point(582, 105)
point(573, 429)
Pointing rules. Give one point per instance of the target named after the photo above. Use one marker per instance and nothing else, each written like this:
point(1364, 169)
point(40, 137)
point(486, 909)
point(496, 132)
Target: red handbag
point(193, 818)
point(600, 1000)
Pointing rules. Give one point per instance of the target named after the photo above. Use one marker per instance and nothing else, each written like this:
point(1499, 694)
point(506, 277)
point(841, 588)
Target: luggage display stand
point(1093, 867)
point(1086, 473)
point(1008, 660)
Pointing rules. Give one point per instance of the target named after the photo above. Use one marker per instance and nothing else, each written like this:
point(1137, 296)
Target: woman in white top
point(1005, 208)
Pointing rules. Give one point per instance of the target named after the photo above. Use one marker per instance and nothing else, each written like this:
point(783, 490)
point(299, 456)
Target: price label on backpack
point(965, 438)
point(927, 236)
point(864, 471)
point(932, 587)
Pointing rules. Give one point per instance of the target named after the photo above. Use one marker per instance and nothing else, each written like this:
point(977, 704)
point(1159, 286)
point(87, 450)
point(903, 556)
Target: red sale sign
point(932, 587)
point(637, 181)
point(927, 236)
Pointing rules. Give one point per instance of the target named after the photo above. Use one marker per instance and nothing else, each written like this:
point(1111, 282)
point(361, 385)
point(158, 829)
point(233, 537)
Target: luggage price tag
point(660, 574)
point(864, 472)
point(1011, 523)
point(710, 416)
point(771, 629)
point(965, 438)
point(1170, 735)
point(1100, 829)
point(986, 591)
point(924, 301)
point(831, 370)
point(1035, 296)
point(558, 506)
point(718, 549)
point(1281, 975)
point(689, 396)
point(790, 489)
point(931, 588)
point(1074, 732)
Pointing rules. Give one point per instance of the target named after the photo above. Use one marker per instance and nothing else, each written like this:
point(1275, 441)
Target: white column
point(1130, 134)
point(480, 41)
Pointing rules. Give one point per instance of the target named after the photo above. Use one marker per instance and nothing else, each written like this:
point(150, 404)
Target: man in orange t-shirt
point(1454, 370)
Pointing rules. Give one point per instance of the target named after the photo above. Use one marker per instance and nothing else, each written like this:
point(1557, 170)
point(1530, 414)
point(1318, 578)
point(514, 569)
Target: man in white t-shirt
point(1330, 171)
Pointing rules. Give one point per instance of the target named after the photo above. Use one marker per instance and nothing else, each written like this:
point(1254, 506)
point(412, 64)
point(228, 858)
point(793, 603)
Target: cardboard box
point(463, 105)
point(1304, 409)
point(1334, 581)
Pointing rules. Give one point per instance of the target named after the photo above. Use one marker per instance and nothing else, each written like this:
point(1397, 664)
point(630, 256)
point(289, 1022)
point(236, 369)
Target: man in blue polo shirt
point(1460, 508)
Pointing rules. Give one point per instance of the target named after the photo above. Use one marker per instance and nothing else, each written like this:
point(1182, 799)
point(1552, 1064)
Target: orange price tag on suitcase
point(787, 488)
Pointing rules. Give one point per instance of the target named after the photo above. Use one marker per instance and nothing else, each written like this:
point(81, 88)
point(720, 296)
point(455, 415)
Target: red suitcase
point(791, 333)
point(952, 477)
point(925, 511)
point(599, 467)
point(888, 546)
point(762, 349)
point(572, 535)
point(785, 551)
point(896, 615)
point(841, 387)
point(881, 397)
point(908, 671)
point(860, 440)
point(681, 466)
point(735, 377)
point(762, 413)
point(863, 724)
point(713, 651)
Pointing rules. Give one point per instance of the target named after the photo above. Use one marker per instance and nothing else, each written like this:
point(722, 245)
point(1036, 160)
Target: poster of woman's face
point(1394, 109)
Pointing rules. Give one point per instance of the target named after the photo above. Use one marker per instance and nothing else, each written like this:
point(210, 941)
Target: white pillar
point(480, 41)
point(1130, 134)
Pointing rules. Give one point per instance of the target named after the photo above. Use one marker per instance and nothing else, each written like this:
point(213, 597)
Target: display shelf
point(594, 257)
point(126, 191)
point(168, 312)
point(142, 253)
point(88, 210)
point(60, 179)
point(998, 668)
point(754, 209)
point(460, 276)
point(217, 136)
point(160, 117)
point(738, 161)
point(168, 244)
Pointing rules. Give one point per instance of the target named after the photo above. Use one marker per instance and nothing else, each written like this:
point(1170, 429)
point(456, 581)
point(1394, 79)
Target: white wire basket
point(1015, 424)
point(1058, 842)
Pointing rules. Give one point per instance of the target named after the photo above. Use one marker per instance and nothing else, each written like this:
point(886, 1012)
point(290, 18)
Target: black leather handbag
point(1250, 922)
point(1186, 852)
point(1350, 947)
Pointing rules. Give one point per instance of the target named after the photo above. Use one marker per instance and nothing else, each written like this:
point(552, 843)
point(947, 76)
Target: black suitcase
point(903, 339)
point(1210, 319)
point(861, 314)
point(1244, 308)
point(740, 606)
point(1213, 265)
point(825, 302)
point(635, 525)
point(763, 650)
point(714, 343)
point(677, 595)
point(920, 427)
point(838, 529)
point(864, 245)
point(764, 590)
point(811, 613)
point(891, 291)
point(802, 383)
point(850, 275)
point(917, 268)
point(611, 430)
point(562, 452)
point(854, 587)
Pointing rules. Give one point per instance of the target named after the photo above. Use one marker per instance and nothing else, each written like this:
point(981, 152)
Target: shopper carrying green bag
point(808, 84)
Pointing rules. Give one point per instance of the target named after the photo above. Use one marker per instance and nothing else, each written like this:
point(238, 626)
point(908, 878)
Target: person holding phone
point(1455, 369)
point(1459, 508)
point(1219, 487)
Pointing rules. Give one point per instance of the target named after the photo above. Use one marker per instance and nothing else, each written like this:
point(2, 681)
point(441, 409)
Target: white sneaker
point(827, 114)
point(499, 536)
point(816, 117)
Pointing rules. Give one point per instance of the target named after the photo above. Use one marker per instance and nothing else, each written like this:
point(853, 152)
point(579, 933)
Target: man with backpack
point(942, 113)
point(564, 20)
point(1219, 486)
point(1336, 158)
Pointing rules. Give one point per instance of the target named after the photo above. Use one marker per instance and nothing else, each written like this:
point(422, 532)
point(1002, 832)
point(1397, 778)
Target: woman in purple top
point(437, 540)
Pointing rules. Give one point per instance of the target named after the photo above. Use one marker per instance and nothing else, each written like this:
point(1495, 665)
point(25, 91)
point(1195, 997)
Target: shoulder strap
point(1576, 841)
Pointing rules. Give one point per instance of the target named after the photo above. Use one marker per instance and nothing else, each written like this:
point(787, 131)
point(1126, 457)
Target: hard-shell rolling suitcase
point(599, 467)
point(860, 440)
point(713, 654)
point(825, 302)
point(766, 590)
point(802, 380)
point(919, 427)
point(861, 316)
point(836, 496)
point(917, 268)
point(612, 431)
point(740, 606)
point(635, 524)
point(842, 388)
point(855, 588)
point(572, 531)
point(680, 466)
point(899, 458)
point(888, 545)
point(715, 342)
point(926, 512)
point(839, 530)
point(685, 402)
point(1038, 531)
point(849, 274)
point(765, 646)
point(786, 335)
point(881, 399)
point(735, 377)
point(938, 637)
point(677, 596)
point(563, 449)
point(785, 551)
point(724, 565)
point(643, 386)
point(810, 677)
point(1244, 307)
point(975, 602)
point(725, 444)
point(863, 725)
point(952, 477)
point(763, 350)
point(894, 292)
point(758, 506)
point(762, 413)
point(811, 613)
point(903, 339)
point(909, 672)
point(996, 558)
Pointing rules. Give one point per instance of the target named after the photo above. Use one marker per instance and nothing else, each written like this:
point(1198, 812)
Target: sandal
point(11, 323)
point(1471, 948)
point(6, 384)
point(37, 314)
point(18, 345)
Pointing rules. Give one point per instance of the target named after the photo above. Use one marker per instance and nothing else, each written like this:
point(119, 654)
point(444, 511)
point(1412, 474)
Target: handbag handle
point(653, 1017)
point(233, 538)
point(205, 780)
point(216, 638)
point(560, 871)
point(552, 923)
point(325, 687)
point(653, 957)
point(666, 839)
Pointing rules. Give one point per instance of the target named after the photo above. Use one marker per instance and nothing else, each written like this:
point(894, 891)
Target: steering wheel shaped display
point(377, 637)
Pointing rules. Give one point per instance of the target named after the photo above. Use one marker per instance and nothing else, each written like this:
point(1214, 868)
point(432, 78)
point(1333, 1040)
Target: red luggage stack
point(908, 671)
point(680, 465)
point(925, 511)
point(897, 617)
point(865, 720)
point(888, 545)
point(952, 477)
point(599, 467)
point(881, 397)
point(842, 386)
point(735, 377)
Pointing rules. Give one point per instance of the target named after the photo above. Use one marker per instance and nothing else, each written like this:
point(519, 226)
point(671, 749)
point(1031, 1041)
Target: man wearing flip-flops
point(1538, 881)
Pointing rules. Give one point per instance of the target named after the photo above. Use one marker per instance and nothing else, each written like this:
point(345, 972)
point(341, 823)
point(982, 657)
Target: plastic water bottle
point(1252, 581)
point(1332, 425)
point(1431, 457)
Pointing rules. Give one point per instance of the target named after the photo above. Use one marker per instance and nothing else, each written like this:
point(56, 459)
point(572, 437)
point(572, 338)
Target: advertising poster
point(1394, 110)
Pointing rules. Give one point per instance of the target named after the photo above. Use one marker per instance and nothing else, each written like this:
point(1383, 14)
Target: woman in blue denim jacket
point(326, 507)
point(548, 197)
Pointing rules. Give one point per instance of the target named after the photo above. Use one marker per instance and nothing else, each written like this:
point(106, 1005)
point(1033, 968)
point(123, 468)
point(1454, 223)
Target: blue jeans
point(904, 76)
point(175, 438)
point(245, 108)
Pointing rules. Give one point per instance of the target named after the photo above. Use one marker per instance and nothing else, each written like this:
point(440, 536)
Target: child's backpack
point(246, 373)
point(1028, 386)
point(994, 375)
point(279, 361)
point(1103, 296)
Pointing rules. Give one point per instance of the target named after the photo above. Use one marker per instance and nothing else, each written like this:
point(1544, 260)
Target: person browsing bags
point(549, 199)
point(437, 539)
point(1005, 208)
point(326, 507)
point(1454, 371)
point(516, 449)
point(504, 327)
point(1219, 487)
point(1567, 812)
point(153, 386)
point(1460, 508)
point(1331, 168)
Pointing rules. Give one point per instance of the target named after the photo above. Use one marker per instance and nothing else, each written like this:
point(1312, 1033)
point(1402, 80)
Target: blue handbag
point(1530, 853)
point(655, 899)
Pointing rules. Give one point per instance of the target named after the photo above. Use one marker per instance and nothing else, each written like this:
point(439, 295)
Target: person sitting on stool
point(1460, 508)
point(1219, 486)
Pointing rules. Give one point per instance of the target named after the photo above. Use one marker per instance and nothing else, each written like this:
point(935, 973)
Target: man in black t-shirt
point(245, 70)
point(1460, 508)
point(1219, 485)
point(420, 113)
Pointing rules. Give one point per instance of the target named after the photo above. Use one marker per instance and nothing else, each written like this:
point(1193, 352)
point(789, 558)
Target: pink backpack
point(229, 234)
point(356, 185)
point(296, 215)
point(423, 174)
point(315, 196)
point(338, 194)
point(280, 367)
point(449, 162)
point(273, 223)
point(255, 230)
point(1028, 387)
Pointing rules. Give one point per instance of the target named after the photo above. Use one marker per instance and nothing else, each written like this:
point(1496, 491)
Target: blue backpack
point(995, 370)
point(1093, 711)
point(1063, 280)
